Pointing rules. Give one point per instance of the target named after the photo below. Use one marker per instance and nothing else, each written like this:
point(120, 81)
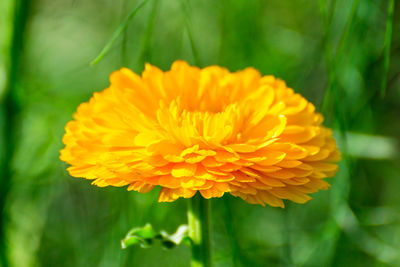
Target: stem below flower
point(199, 231)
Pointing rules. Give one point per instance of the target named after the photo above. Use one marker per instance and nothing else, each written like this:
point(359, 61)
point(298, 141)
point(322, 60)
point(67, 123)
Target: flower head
point(206, 130)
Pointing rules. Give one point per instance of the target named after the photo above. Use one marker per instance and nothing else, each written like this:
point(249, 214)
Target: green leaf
point(145, 236)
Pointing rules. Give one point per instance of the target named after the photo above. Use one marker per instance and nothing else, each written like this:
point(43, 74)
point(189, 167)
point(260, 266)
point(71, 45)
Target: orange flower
point(206, 130)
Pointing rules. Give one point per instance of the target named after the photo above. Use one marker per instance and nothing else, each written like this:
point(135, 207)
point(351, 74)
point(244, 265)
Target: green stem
point(199, 231)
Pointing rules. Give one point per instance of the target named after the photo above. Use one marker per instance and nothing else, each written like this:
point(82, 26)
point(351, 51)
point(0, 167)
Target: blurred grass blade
point(124, 35)
point(371, 146)
point(188, 26)
point(145, 55)
point(9, 108)
point(388, 39)
point(366, 242)
point(117, 33)
point(349, 24)
point(330, 63)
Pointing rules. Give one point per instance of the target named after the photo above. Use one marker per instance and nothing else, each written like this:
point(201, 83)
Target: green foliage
point(145, 236)
point(116, 34)
point(337, 59)
point(388, 40)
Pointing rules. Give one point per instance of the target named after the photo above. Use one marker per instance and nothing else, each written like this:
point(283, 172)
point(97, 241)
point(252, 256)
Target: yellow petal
point(183, 170)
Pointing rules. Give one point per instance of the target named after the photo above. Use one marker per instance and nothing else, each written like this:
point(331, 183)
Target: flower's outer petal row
point(207, 130)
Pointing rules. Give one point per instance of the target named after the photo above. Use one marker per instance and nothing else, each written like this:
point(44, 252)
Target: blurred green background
point(332, 52)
